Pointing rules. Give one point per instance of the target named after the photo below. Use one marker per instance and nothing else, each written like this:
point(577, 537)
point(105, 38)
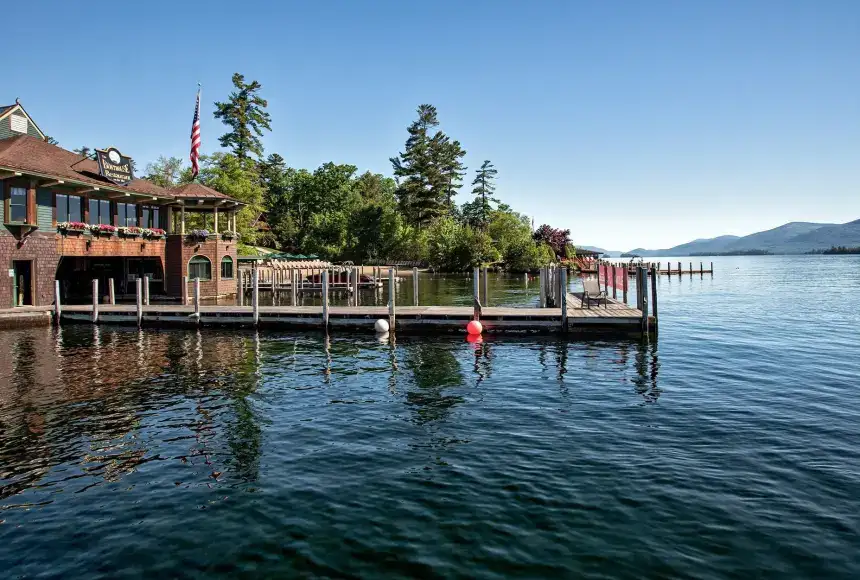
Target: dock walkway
point(614, 316)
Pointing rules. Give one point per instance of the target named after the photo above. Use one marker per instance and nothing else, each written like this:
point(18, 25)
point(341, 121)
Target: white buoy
point(381, 325)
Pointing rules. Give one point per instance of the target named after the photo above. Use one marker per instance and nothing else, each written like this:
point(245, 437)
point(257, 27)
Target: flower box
point(154, 233)
point(72, 228)
point(131, 231)
point(199, 235)
point(103, 230)
point(229, 235)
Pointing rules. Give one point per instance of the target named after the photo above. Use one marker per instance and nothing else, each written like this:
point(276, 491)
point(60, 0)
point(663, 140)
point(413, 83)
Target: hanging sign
point(115, 166)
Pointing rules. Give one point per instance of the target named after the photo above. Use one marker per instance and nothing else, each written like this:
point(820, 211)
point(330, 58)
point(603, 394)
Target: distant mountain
point(606, 253)
point(791, 238)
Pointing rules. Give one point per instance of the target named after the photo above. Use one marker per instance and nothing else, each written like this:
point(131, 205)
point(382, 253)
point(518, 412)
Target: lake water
point(727, 448)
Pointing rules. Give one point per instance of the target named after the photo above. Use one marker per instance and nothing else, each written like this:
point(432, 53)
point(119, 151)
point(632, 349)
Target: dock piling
point(145, 289)
point(95, 300)
point(486, 301)
point(138, 301)
point(391, 289)
point(476, 293)
point(294, 282)
point(643, 283)
point(625, 286)
point(654, 296)
point(324, 282)
point(184, 290)
point(614, 289)
point(564, 300)
point(111, 294)
point(255, 294)
point(58, 309)
point(415, 286)
point(197, 297)
point(542, 276)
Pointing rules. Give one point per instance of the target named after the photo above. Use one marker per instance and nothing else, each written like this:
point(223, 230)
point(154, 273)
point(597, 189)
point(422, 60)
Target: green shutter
point(45, 210)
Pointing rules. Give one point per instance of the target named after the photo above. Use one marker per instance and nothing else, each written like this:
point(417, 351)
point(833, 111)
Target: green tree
point(165, 171)
point(51, 140)
point(483, 190)
point(245, 114)
point(429, 170)
point(239, 178)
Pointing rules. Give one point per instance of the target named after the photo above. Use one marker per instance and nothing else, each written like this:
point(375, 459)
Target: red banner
point(612, 276)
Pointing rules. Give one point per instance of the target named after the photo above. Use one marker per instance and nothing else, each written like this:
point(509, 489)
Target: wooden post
point(415, 286)
point(476, 293)
point(391, 289)
point(486, 301)
point(255, 294)
point(182, 220)
point(294, 283)
point(146, 289)
point(701, 269)
point(626, 275)
point(197, 297)
point(324, 283)
point(679, 269)
point(138, 301)
point(58, 309)
point(564, 300)
point(95, 300)
point(712, 269)
point(614, 285)
point(643, 283)
point(240, 291)
point(691, 269)
point(111, 294)
point(654, 297)
point(184, 290)
point(542, 277)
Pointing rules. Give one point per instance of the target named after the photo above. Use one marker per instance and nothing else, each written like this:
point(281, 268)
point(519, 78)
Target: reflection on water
point(713, 453)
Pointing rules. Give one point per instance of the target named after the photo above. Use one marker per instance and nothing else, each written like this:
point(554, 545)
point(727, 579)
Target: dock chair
point(591, 292)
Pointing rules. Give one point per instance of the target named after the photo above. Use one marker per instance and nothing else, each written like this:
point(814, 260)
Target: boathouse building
point(71, 218)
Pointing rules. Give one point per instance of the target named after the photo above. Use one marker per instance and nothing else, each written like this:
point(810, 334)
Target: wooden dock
point(560, 311)
point(614, 317)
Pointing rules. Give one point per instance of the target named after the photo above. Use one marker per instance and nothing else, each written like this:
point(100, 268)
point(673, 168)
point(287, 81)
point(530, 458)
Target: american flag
point(195, 138)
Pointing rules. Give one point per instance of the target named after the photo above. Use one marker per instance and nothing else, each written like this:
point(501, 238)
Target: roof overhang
point(83, 186)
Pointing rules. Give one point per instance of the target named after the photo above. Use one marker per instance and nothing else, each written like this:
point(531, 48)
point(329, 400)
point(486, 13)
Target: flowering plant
point(130, 231)
point(153, 233)
point(199, 234)
point(103, 229)
point(230, 235)
point(72, 227)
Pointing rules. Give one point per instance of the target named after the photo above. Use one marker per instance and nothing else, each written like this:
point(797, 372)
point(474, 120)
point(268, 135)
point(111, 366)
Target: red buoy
point(474, 327)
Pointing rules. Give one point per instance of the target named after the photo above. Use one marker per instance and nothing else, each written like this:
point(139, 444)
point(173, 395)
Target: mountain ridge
point(789, 238)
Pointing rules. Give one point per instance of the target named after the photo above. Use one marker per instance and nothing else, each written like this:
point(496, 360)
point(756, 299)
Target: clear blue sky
point(631, 123)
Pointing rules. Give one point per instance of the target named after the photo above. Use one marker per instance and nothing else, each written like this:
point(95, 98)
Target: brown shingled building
point(74, 219)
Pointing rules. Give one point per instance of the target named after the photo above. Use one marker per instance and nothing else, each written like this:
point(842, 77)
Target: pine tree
point(244, 112)
point(429, 170)
point(484, 188)
point(87, 152)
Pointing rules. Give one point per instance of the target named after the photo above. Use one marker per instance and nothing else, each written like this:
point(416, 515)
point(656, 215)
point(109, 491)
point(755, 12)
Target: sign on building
point(115, 166)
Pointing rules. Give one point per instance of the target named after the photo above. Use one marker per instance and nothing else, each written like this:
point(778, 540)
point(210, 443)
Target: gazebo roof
point(198, 191)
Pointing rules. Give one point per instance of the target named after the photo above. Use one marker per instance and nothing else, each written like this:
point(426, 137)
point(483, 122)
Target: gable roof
point(196, 190)
point(9, 109)
point(29, 154)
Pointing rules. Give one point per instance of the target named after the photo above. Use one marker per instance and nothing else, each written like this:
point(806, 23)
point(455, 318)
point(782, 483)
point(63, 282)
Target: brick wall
point(180, 250)
point(105, 246)
point(42, 250)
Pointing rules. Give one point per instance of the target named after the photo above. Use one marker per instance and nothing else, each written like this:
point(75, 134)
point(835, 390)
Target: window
point(126, 214)
point(69, 208)
point(226, 268)
point(149, 217)
point(199, 267)
point(99, 212)
point(17, 204)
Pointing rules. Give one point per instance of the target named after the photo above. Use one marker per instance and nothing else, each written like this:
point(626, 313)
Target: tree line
point(340, 213)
